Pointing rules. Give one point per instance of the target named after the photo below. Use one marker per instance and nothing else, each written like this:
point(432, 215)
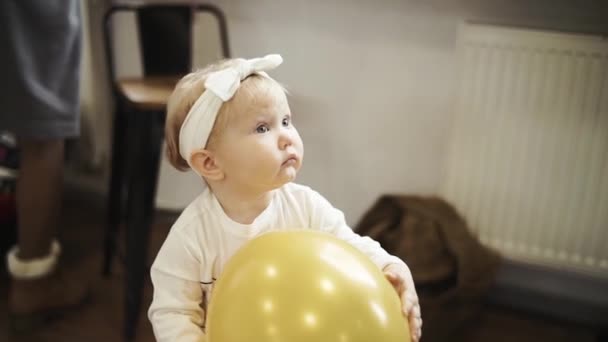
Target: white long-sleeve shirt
point(203, 239)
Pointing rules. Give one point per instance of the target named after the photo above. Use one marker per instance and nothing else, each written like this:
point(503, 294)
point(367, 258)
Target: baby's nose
point(285, 140)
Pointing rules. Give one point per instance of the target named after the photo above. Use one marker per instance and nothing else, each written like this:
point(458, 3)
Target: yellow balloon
point(304, 285)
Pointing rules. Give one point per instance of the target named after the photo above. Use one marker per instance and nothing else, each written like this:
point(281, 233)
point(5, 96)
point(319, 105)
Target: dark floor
point(82, 231)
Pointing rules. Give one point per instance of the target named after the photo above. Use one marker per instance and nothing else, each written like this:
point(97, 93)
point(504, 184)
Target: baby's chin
point(288, 177)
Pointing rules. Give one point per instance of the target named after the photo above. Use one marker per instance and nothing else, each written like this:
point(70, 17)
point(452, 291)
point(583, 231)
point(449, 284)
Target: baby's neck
point(243, 208)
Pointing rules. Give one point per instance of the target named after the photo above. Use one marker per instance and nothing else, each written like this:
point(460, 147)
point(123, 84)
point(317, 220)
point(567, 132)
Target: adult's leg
point(39, 189)
point(40, 287)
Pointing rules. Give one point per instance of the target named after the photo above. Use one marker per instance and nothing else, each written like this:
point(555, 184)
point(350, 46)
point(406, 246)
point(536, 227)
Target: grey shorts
point(40, 56)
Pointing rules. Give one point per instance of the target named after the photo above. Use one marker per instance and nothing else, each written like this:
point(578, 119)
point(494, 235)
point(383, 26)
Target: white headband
point(220, 87)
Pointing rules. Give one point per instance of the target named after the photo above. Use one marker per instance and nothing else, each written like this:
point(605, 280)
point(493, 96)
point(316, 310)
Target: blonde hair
point(190, 88)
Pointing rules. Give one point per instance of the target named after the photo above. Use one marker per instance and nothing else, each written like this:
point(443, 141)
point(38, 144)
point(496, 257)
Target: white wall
point(371, 84)
point(370, 92)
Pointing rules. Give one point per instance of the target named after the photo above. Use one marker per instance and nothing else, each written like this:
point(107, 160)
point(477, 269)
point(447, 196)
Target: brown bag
point(451, 269)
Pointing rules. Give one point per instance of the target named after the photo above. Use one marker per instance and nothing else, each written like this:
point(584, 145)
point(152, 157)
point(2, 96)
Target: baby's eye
point(262, 129)
point(286, 121)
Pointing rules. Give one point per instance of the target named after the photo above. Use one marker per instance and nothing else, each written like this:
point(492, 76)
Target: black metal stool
point(165, 44)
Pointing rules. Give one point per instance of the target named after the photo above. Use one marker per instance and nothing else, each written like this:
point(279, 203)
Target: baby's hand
point(400, 277)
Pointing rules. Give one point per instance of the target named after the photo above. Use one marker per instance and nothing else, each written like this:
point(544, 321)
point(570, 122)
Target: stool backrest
point(165, 33)
point(165, 39)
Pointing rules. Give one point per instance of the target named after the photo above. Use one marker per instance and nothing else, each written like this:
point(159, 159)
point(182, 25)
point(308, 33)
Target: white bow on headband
point(220, 87)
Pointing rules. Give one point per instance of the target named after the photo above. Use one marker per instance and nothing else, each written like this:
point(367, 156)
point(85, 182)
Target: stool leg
point(140, 211)
point(115, 197)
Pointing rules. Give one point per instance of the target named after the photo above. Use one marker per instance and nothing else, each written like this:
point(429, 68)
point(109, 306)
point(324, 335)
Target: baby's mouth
point(291, 160)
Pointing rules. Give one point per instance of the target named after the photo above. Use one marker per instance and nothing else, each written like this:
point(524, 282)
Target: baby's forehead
point(261, 98)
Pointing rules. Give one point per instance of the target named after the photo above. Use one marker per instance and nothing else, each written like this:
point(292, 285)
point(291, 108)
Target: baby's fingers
point(415, 323)
point(395, 281)
point(410, 302)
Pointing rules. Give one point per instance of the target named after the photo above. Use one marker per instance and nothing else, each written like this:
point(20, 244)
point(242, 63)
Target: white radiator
point(528, 157)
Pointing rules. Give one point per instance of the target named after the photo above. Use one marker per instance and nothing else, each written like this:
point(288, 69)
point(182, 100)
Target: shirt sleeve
point(175, 312)
point(329, 219)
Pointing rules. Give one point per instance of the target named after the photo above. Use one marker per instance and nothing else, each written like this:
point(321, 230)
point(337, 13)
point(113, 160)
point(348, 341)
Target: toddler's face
point(261, 149)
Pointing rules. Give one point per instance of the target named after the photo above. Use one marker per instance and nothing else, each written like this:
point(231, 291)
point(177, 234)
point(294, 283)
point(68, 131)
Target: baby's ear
point(204, 163)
